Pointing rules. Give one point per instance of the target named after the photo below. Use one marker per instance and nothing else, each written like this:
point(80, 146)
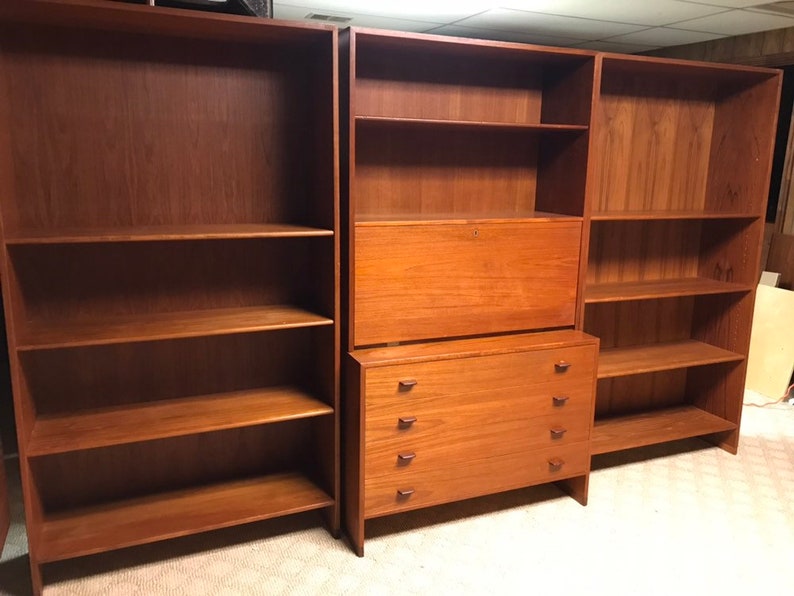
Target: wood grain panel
point(638, 393)
point(442, 484)
point(419, 171)
point(724, 321)
point(469, 348)
point(454, 280)
point(70, 380)
point(167, 418)
point(730, 250)
point(617, 362)
point(177, 513)
point(659, 426)
point(466, 375)
point(142, 137)
point(77, 282)
point(640, 322)
point(640, 251)
point(741, 160)
point(413, 84)
point(455, 428)
point(92, 477)
point(653, 142)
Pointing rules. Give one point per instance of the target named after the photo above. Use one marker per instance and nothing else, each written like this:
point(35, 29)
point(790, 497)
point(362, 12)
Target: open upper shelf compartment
point(669, 143)
point(452, 129)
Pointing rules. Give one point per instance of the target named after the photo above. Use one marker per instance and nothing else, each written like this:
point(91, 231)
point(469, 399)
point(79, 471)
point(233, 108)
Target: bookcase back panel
point(638, 393)
point(409, 84)
point(94, 476)
point(422, 172)
point(74, 379)
point(77, 282)
point(653, 143)
point(637, 322)
point(643, 250)
point(157, 131)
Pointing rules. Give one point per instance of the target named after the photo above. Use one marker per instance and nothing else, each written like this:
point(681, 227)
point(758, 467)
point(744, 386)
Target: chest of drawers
point(435, 423)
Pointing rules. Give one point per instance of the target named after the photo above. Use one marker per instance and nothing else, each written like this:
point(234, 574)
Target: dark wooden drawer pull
point(561, 366)
point(559, 400)
point(558, 433)
point(406, 421)
point(556, 464)
point(406, 384)
point(404, 493)
point(406, 458)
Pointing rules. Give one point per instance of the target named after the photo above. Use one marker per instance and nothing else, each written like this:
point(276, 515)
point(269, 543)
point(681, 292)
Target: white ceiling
point(608, 25)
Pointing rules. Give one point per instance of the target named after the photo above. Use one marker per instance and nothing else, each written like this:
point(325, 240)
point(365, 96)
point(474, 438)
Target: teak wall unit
point(168, 189)
point(465, 195)
point(677, 195)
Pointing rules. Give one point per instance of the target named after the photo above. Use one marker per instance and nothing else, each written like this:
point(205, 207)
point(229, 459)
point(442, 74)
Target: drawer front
point(459, 279)
point(456, 429)
point(414, 486)
point(406, 383)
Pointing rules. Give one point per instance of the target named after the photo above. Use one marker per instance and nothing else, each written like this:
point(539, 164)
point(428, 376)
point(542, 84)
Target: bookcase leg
point(576, 487)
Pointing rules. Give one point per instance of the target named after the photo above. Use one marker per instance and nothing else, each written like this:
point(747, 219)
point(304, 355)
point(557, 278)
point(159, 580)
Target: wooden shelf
point(461, 218)
point(634, 360)
point(134, 328)
point(668, 214)
point(169, 418)
point(164, 233)
point(179, 513)
point(650, 428)
point(469, 124)
point(661, 288)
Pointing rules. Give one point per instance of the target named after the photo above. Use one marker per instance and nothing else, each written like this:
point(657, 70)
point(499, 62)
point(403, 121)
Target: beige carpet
point(694, 521)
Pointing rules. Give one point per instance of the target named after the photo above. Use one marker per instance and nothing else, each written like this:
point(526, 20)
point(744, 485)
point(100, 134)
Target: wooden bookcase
point(169, 202)
point(479, 150)
point(465, 169)
point(676, 203)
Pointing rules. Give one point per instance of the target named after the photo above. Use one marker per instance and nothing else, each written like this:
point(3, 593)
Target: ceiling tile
point(651, 13)
point(298, 13)
point(620, 48)
point(736, 22)
point(435, 11)
point(665, 36)
point(730, 3)
point(543, 24)
point(495, 34)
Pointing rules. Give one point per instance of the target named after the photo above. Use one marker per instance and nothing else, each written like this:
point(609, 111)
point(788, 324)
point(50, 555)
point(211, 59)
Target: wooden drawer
point(409, 383)
point(433, 485)
point(420, 281)
point(455, 429)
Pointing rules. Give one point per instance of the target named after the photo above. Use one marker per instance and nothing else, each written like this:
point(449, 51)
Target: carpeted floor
point(670, 520)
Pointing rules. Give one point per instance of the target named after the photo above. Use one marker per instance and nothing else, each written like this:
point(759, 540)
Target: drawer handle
point(556, 464)
point(406, 421)
point(561, 366)
point(404, 493)
point(558, 433)
point(407, 384)
point(559, 400)
point(406, 458)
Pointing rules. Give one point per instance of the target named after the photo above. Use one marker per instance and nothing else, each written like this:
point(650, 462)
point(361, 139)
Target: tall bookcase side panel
point(154, 96)
point(743, 143)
